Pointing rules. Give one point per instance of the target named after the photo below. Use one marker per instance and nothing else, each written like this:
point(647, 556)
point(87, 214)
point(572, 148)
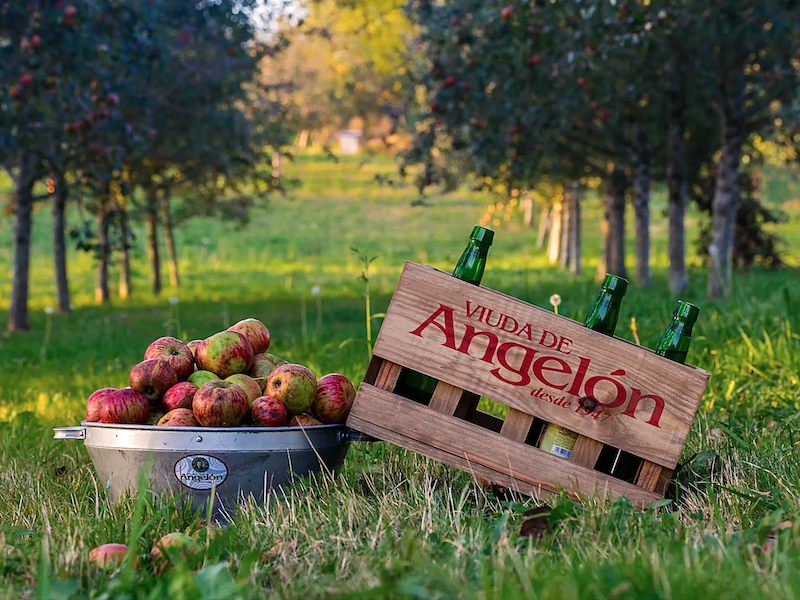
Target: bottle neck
point(472, 263)
point(604, 313)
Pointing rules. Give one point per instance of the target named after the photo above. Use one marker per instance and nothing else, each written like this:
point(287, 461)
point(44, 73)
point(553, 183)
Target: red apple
point(334, 397)
point(224, 354)
point(176, 543)
point(535, 59)
point(15, 91)
point(107, 554)
point(193, 345)
point(179, 417)
point(450, 81)
point(179, 396)
point(36, 40)
point(220, 404)
point(248, 384)
point(293, 386)
point(26, 79)
point(153, 377)
point(174, 352)
point(268, 411)
point(200, 377)
point(94, 402)
point(112, 99)
point(303, 421)
point(263, 365)
point(506, 12)
point(255, 332)
point(124, 406)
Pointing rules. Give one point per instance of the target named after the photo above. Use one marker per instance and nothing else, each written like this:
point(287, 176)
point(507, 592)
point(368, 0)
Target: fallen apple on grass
point(108, 554)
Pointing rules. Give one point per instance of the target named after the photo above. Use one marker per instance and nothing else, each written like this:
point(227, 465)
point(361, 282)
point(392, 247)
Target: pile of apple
point(226, 380)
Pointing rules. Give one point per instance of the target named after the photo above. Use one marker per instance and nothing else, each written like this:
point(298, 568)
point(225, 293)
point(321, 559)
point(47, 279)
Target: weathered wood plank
point(388, 375)
point(475, 338)
point(649, 476)
point(458, 443)
point(445, 398)
point(586, 451)
point(517, 425)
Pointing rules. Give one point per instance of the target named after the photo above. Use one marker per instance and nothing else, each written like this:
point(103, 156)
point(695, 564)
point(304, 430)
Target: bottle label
point(558, 440)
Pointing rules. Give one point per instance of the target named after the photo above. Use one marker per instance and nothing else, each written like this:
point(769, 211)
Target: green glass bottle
point(416, 386)
point(674, 345)
point(602, 318)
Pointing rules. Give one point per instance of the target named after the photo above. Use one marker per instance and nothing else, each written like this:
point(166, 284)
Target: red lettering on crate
point(518, 365)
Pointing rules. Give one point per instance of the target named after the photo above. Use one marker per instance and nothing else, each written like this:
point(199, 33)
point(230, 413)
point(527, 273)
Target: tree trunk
point(101, 291)
point(302, 140)
point(574, 238)
point(677, 186)
point(60, 244)
point(554, 247)
point(23, 224)
point(614, 251)
point(125, 287)
point(641, 209)
point(527, 205)
point(724, 208)
point(544, 227)
point(172, 249)
point(152, 240)
point(566, 225)
point(277, 165)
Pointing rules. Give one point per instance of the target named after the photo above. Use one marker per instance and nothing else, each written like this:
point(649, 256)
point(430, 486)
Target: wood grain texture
point(586, 452)
point(509, 338)
point(388, 375)
point(517, 425)
point(445, 398)
point(460, 444)
point(649, 476)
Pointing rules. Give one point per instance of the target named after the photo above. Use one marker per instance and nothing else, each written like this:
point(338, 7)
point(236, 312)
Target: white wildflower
point(173, 300)
point(555, 299)
point(315, 291)
point(49, 310)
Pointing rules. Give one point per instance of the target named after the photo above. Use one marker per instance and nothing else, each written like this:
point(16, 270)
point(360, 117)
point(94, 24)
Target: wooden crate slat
point(445, 398)
point(664, 480)
point(649, 475)
point(507, 333)
point(444, 438)
point(517, 425)
point(586, 451)
point(388, 375)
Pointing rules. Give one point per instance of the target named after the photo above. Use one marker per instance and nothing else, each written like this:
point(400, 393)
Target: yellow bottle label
point(558, 440)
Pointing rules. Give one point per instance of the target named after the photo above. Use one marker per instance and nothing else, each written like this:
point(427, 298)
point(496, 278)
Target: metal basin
point(188, 462)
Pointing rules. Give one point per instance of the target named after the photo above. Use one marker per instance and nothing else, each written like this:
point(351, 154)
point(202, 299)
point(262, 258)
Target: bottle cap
point(616, 284)
point(483, 235)
point(686, 312)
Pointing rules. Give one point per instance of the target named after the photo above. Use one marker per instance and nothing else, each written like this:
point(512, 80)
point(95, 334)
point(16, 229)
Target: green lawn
point(395, 524)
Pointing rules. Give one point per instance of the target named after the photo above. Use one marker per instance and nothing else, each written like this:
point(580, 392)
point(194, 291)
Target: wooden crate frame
point(478, 342)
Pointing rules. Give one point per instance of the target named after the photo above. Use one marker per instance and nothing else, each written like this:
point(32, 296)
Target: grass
point(394, 524)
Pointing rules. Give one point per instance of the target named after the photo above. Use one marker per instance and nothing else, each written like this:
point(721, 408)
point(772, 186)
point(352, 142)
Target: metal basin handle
point(69, 433)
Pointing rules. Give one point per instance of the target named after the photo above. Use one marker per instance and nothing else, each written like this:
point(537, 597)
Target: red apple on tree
point(112, 99)
point(174, 352)
point(152, 378)
point(220, 404)
point(36, 41)
point(268, 411)
point(26, 80)
point(94, 402)
point(124, 406)
point(225, 353)
point(179, 396)
point(255, 332)
point(334, 397)
point(292, 385)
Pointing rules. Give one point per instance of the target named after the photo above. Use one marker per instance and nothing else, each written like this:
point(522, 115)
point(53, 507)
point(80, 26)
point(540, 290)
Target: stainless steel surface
point(186, 461)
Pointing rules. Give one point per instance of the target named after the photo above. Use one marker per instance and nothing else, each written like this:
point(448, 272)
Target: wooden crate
point(479, 342)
